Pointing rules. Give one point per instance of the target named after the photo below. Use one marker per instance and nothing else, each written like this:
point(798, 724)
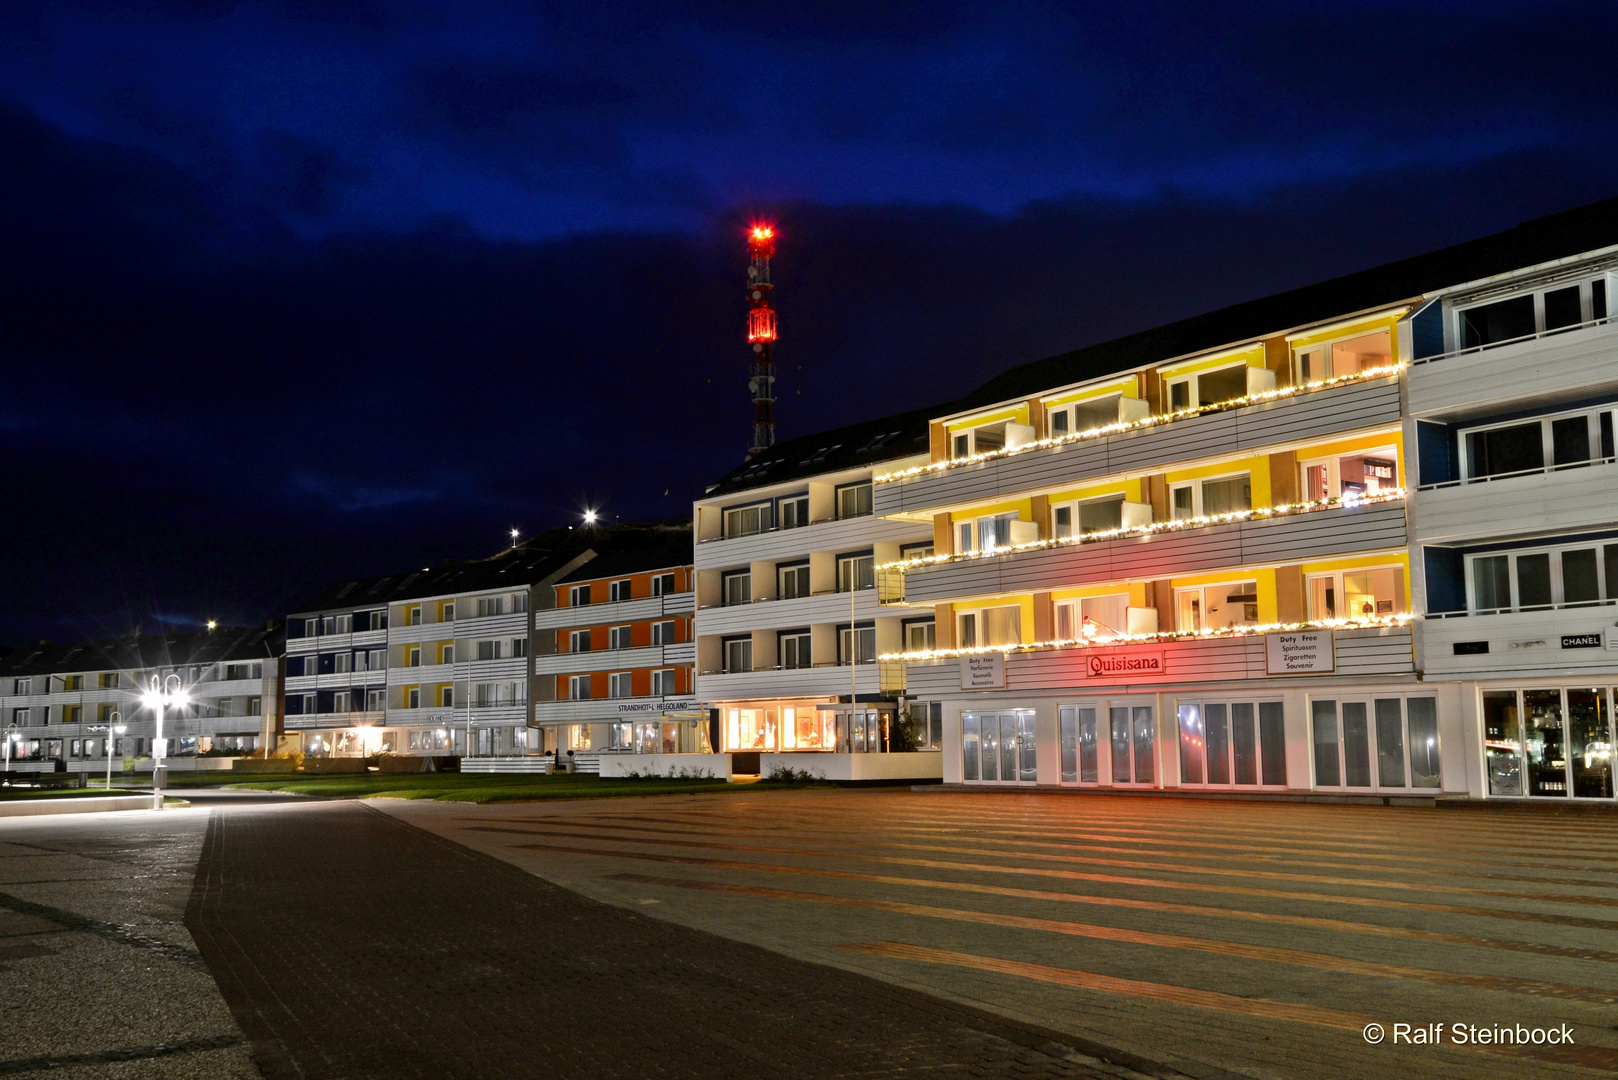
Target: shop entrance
point(999, 747)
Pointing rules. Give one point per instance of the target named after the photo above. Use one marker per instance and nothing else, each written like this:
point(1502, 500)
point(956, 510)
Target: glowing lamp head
point(1088, 629)
point(589, 517)
point(212, 625)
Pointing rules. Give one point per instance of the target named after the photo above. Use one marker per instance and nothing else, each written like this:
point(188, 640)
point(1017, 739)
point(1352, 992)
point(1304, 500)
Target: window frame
point(803, 643)
point(1337, 577)
point(1324, 347)
point(1606, 588)
point(726, 644)
point(1186, 590)
point(930, 624)
point(1193, 384)
point(1594, 429)
point(1587, 309)
point(797, 569)
point(852, 559)
point(725, 578)
point(764, 510)
point(868, 501)
point(1196, 485)
point(852, 639)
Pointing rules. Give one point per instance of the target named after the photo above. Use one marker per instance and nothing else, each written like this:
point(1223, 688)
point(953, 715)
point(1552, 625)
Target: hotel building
point(1358, 539)
point(63, 701)
point(427, 663)
point(788, 628)
point(613, 652)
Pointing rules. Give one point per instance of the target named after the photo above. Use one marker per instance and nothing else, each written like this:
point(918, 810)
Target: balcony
point(1374, 651)
point(1549, 642)
point(1555, 499)
point(1550, 366)
point(829, 681)
point(1258, 541)
point(647, 607)
point(334, 720)
point(832, 534)
point(578, 663)
point(1045, 466)
point(827, 607)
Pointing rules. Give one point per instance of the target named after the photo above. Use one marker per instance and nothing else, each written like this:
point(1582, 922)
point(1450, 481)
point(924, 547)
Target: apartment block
point(65, 701)
point(788, 627)
point(614, 652)
point(1354, 539)
point(432, 662)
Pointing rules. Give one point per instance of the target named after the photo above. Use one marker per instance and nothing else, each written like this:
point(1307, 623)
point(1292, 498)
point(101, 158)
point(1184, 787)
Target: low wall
point(857, 767)
point(528, 766)
point(716, 766)
point(87, 805)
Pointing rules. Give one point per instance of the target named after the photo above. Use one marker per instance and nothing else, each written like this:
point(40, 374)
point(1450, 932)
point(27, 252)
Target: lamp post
point(12, 735)
point(158, 698)
point(113, 728)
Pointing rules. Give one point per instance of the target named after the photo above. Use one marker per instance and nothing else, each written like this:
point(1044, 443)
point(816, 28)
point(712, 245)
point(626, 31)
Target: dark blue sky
point(294, 292)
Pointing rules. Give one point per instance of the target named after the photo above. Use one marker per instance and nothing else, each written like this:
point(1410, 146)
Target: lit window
point(1357, 594)
point(1334, 359)
point(1215, 607)
point(1201, 498)
point(1363, 472)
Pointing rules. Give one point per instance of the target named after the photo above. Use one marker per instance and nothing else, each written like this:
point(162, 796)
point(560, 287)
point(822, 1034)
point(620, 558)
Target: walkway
point(1215, 937)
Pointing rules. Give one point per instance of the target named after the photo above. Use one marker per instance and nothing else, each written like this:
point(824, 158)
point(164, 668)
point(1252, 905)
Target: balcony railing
point(1157, 420)
point(1452, 354)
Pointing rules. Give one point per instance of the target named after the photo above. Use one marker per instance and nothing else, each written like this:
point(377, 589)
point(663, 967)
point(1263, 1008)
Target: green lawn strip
point(451, 787)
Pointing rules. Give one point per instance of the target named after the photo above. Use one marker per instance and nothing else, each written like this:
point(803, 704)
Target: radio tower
point(761, 335)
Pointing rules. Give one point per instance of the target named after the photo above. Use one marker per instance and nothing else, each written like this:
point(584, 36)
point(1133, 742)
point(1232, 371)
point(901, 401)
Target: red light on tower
point(761, 333)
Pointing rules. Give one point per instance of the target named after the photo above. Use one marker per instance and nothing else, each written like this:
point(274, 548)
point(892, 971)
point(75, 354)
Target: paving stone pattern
point(349, 944)
point(1211, 937)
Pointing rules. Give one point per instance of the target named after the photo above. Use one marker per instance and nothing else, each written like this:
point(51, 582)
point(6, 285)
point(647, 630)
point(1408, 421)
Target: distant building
point(613, 655)
point(63, 700)
point(428, 662)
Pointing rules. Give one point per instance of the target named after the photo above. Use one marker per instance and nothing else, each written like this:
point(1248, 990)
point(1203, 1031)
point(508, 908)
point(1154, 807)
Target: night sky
point(299, 292)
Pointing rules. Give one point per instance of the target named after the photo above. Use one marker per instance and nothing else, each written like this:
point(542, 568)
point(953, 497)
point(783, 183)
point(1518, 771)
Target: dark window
point(1609, 556)
point(1491, 583)
point(1179, 396)
point(1505, 450)
point(1606, 435)
point(1500, 321)
point(1223, 385)
point(1579, 584)
point(1534, 580)
point(1598, 299)
point(1101, 514)
point(1562, 308)
point(1570, 440)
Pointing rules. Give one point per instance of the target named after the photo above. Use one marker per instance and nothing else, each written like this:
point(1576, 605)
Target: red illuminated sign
point(1103, 665)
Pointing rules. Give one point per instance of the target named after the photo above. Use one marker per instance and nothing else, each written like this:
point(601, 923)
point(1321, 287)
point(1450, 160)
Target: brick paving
point(349, 944)
point(1215, 938)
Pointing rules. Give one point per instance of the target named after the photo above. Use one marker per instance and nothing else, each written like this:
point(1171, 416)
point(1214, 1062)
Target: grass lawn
point(453, 787)
point(61, 793)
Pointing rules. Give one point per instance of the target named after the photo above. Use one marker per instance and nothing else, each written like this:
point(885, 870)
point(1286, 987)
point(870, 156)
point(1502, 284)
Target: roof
point(148, 651)
point(635, 550)
point(850, 447)
point(1541, 240)
point(519, 566)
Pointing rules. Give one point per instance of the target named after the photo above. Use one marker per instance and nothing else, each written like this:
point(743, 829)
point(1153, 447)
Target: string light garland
point(1200, 521)
point(1150, 421)
point(1377, 622)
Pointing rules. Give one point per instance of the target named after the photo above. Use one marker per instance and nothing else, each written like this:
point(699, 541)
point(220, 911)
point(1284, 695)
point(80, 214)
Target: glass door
point(999, 747)
point(1134, 743)
point(1079, 743)
point(1230, 744)
point(1381, 743)
point(1550, 743)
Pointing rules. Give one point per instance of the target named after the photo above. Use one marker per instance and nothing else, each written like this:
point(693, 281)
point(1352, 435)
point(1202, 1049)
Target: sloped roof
point(521, 566)
point(635, 550)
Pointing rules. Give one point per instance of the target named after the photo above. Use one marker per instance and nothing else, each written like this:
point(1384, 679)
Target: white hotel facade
point(1358, 540)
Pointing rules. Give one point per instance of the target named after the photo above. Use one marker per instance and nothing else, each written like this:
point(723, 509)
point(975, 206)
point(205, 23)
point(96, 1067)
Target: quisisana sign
point(1112, 665)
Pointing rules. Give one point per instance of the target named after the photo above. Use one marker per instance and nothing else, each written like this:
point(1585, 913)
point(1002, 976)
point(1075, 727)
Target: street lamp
point(157, 698)
point(12, 735)
point(113, 728)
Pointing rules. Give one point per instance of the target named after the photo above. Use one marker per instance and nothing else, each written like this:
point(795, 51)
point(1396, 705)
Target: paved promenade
point(351, 945)
point(1215, 938)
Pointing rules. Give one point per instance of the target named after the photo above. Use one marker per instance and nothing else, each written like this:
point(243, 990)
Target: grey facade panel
point(1293, 538)
point(1314, 415)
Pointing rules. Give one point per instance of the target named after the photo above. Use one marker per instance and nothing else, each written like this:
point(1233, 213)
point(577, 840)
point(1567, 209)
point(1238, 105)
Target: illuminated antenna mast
point(761, 335)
